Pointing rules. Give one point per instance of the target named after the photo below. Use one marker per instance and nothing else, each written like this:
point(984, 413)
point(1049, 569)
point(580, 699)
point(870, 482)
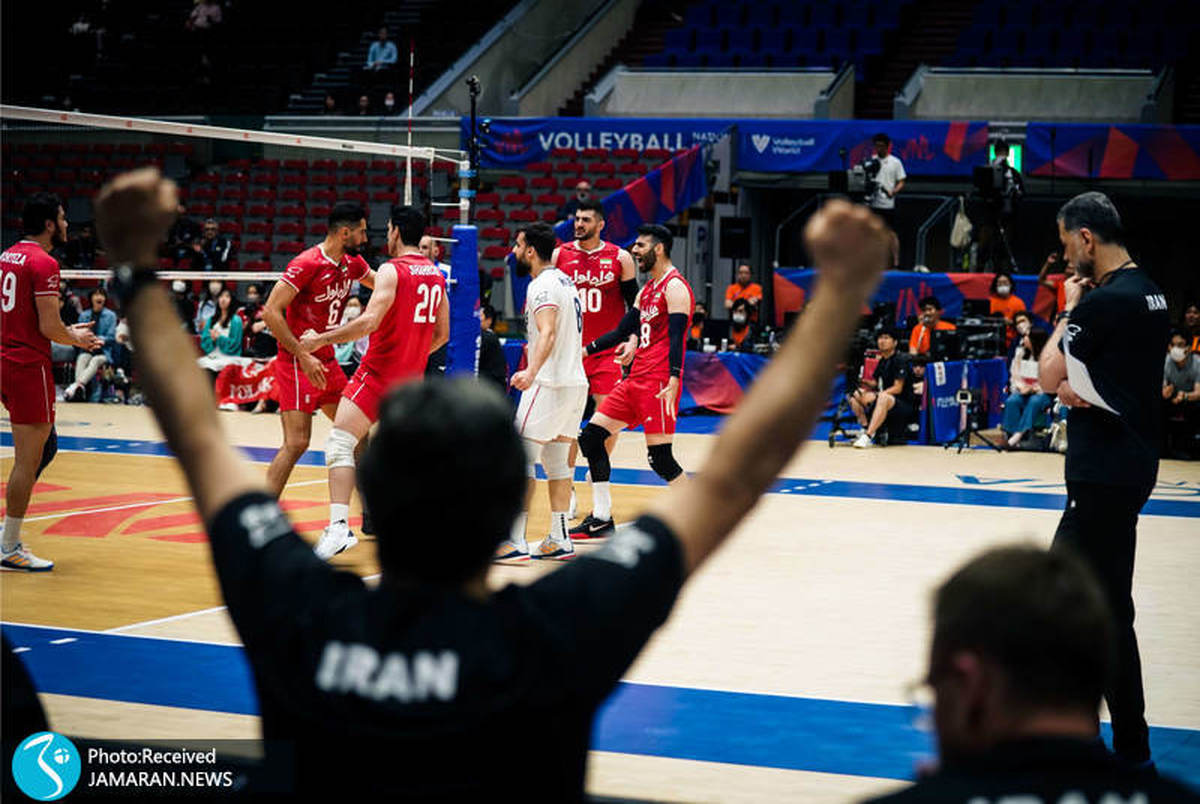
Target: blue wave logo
point(46, 766)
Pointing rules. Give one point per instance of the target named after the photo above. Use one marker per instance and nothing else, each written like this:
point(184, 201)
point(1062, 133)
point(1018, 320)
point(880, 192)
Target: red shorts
point(633, 401)
point(27, 390)
point(602, 371)
point(297, 393)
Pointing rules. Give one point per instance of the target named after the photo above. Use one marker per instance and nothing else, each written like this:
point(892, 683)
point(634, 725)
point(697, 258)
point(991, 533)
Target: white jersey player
point(553, 388)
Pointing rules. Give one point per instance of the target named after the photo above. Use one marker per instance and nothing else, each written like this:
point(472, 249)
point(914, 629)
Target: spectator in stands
point(921, 338)
point(583, 192)
point(389, 104)
point(1022, 648)
point(1004, 302)
point(382, 54)
point(183, 233)
point(364, 105)
point(350, 353)
point(1191, 325)
point(744, 288)
point(432, 250)
point(889, 181)
point(81, 249)
point(892, 401)
point(205, 16)
point(221, 335)
point(1053, 275)
point(68, 310)
point(1026, 399)
point(87, 363)
point(330, 107)
point(207, 306)
point(696, 331)
point(185, 305)
point(743, 332)
point(258, 342)
point(1181, 397)
point(492, 365)
point(212, 251)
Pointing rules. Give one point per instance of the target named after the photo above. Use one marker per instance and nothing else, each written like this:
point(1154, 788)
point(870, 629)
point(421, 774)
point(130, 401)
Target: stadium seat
point(625, 153)
point(551, 199)
point(235, 211)
point(564, 153)
point(550, 216)
point(495, 252)
point(709, 40)
point(256, 266)
point(544, 183)
point(741, 39)
point(698, 15)
point(203, 210)
point(383, 180)
point(289, 246)
point(233, 193)
point(290, 211)
point(354, 165)
point(608, 183)
point(488, 199)
point(573, 167)
point(356, 196)
point(290, 229)
point(762, 14)
point(481, 215)
point(319, 211)
point(257, 247)
point(603, 168)
point(322, 179)
point(595, 153)
point(294, 194)
point(517, 199)
point(523, 215)
point(230, 228)
point(656, 155)
point(539, 167)
point(728, 14)
point(517, 183)
point(569, 182)
point(260, 228)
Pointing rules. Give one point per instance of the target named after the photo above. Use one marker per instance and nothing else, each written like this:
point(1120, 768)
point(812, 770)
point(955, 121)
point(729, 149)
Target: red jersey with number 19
point(597, 278)
point(322, 287)
point(26, 272)
point(654, 342)
point(399, 348)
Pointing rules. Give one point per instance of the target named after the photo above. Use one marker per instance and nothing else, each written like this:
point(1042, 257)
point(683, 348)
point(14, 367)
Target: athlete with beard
point(606, 281)
point(311, 296)
point(408, 318)
point(29, 321)
point(649, 396)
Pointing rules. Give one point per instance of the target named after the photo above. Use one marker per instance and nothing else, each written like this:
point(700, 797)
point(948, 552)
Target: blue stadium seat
point(728, 14)
point(662, 59)
point(990, 15)
point(699, 16)
point(740, 38)
point(1019, 14)
point(837, 41)
point(678, 39)
point(1041, 41)
point(690, 59)
point(793, 14)
point(750, 58)
point(719, 58)
point(762, 14)
point(793, 59)
point(773, 40)
point(806, 40)
point(870, 40)
point(709, 40)
point(1053, 16)
point(887, 15)
point(823, 14)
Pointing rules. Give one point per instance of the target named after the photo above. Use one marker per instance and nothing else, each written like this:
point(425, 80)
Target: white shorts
point(549, 411)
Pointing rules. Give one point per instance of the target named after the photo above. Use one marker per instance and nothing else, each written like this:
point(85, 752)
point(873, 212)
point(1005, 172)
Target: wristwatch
point(127, 281)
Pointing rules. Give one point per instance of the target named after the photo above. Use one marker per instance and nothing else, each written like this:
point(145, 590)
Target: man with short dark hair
point(1104, 361)
point(889, 181)
point(429, 672)
point(893, 400)
point(920, 340)
point(29, 321)
point(212, 251)
point(408, 319)
point(1020, 656)
point(649, 395)
point(492, 365)
point(310, 296)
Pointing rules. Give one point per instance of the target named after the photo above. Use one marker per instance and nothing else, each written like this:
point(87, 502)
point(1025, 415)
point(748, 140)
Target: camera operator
point(894, 401)
point(885, 178)
point(997, 235)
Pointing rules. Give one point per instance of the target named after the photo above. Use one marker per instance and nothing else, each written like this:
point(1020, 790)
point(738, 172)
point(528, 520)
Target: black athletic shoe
point(368, 525)
point(592, 529)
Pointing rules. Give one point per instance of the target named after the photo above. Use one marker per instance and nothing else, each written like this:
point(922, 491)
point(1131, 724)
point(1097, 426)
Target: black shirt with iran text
point(422, 692)
point(1114, 343)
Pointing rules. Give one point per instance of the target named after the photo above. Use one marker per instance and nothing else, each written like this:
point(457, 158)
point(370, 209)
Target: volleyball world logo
point(46, 766)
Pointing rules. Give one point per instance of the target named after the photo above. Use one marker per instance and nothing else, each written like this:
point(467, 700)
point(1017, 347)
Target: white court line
point(146, 504)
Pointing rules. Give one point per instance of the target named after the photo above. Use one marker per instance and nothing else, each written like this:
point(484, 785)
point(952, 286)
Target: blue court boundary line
point(769, 731)
point(847, 489)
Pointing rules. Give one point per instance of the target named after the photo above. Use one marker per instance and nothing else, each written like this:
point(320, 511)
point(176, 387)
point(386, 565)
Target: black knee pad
point(663, 462)
point(589, 407)
point(49, 450)
point(591, 444)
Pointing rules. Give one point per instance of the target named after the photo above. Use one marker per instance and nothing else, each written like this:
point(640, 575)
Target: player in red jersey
point(408, 317)
point(606, 281)
point(649, 396)
point(29, 321)
point(310, 296)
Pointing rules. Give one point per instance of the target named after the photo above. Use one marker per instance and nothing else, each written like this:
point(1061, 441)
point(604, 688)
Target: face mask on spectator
point(179, 286)
point(214, 289)
point(1023, 327)
point(1003, 289)
point(350, 314)
point(739, 318)
point(1178, 353)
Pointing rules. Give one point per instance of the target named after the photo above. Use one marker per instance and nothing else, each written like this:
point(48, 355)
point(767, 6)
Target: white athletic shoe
point(572, 509)
point(20, 559)
point(557, 549)
point(335, 539)
point(512, 551)
point(863, 441)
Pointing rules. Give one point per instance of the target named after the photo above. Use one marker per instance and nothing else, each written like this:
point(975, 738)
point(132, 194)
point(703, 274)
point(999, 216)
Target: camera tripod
point(963, 439)
point(1003, 231)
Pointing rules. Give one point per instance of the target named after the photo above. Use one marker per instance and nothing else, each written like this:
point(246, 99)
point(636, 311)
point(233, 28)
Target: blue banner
point(944, 380)
point(1101, 151)
point(938, 148)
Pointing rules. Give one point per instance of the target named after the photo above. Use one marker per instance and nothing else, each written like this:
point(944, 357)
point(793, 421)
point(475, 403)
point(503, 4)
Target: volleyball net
point(262, 196)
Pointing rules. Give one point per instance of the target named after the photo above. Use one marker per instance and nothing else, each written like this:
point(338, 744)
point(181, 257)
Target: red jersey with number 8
point(322, 287)
point(399, 349)
point(654, 342)
point(597, 278)
point(26, 272)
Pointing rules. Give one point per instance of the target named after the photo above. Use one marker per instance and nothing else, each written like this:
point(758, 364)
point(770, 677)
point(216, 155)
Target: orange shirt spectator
point(1003, 300)
point(743, 288)
point(921, 339)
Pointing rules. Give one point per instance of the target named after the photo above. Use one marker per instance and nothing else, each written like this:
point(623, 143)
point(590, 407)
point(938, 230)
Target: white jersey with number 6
point(552, 289)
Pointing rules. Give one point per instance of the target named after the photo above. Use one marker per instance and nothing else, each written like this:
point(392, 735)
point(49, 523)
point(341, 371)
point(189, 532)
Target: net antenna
point(412, 50)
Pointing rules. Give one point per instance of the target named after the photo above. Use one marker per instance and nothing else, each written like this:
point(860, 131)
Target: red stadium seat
point(495, 233)
point(564, 153)
point(294, 179)
point(496, 252)
point(349, 165)
point(257, 247)
point(324, 179)
point(261, 211)
point(435, 231)
point(483, 214)
point(551, 199)
point(231, 211)
point(318, 229)
point(539, 167)
point(383, 180)
point(204, 193)
point(229, 193)
point(571, 167)
point(320, 211)
point(512, 182)
point(324, 164)
point(289, 247)
point(595, 153)
point(230, 228)
point(324, 195)
point(351, 180)
point(290, 229)
point(632, 169)
point(624, 153)
point(208, 177)
point(569, 182)
point(386, 165)
point(240, 165)
point(488, 199)
point(264, 179)
point(523, 215)
point(608, 183)
point(290, 210)
point(544, 183)
point(263, 194)
point(257, 266)
point(656, 154)
point(295, 164)
point(357, 196)
point(238, 179)
point(386, 196)
point(204, 210)
point(550, 216)
point(264, 228)
point(602, 168)
point(294, 194)
point(517, 199)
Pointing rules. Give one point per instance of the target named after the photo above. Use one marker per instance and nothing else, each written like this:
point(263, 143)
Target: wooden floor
point(822, 594)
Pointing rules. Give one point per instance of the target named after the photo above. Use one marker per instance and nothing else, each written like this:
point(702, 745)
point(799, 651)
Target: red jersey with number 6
point(654, 342)
point(26, 272)
point(399, 349)
point(322, 287)
point(597, 278)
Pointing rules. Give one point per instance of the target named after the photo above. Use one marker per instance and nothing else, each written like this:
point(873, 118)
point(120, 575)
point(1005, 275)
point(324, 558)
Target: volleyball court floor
point(781, 675)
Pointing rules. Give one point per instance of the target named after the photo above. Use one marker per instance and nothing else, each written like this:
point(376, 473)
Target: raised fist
point(849, 245)
point(133, 213)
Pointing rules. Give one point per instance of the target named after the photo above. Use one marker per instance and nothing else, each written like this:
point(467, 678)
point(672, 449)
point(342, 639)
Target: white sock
point(339, 513)
point(518, 529)
point(601, 500)
point(12, 532)
point(558, 526)
point(1015, 438)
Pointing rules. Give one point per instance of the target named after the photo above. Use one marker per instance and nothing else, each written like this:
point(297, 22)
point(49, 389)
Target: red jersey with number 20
point(597, 278)
point(654, 341)
point(322, 287)
point(399, 349)
point(26, 272)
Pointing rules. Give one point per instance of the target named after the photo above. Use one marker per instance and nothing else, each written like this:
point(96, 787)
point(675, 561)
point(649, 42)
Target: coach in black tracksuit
point(1104, 359)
